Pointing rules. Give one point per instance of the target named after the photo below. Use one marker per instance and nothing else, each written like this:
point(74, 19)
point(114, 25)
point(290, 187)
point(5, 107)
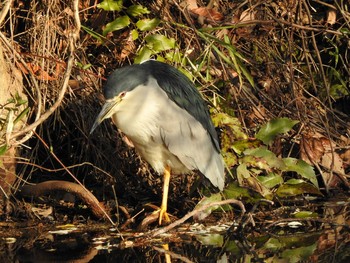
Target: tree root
point(86, 196)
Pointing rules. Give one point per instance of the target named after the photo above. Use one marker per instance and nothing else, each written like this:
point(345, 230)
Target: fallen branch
point(47, 187)
point(195, 212)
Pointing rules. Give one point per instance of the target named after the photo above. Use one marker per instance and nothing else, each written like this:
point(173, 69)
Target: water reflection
point(323, 238)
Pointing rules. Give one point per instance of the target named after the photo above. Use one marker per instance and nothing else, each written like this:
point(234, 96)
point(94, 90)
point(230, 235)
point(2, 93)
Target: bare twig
point(4, 10)
point(195, 212)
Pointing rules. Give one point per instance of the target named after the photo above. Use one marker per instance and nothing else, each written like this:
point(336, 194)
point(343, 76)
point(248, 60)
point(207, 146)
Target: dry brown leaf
point(311, 149)
point(129, 47)
point(331, 16)
point(208, 13)
point(247, 15)
point(316, 149)
point(191, 4)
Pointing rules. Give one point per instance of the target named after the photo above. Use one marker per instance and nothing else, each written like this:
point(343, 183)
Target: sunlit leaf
point(268, 132)
point(137, 10)
point(302, 168)
point(159, 42)
point(117, 24)
point(144, 54)
point(134, 34)
point(267, 157)
point(111, 5)
point(242, 172)
point(221, 119)
point(270, 180)
point(147, 24)
point(240, 146)
point(230, 159)
point(305, 214)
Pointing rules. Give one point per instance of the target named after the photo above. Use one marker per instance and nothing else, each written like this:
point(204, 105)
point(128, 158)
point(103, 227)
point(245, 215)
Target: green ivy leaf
point(299, 254)
point(270, 180)
point(265, 157)
point(111, 5)
point(305, 214)
point(144, 54)
point(137, 10)
point(287, 190)
point(237, 192)
point(159, 42)
point(302, 168)
point(269, 131)
point(147, 24)
point(134, 34)
point(117, 24)
point(240, 146)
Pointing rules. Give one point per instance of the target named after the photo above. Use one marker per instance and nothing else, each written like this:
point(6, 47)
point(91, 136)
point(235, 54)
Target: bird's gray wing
point(185, 137)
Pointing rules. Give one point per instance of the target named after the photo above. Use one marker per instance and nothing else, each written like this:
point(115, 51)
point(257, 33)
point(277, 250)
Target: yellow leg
point(164, 205)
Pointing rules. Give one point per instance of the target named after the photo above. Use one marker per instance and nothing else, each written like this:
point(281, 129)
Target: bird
point(162, 113)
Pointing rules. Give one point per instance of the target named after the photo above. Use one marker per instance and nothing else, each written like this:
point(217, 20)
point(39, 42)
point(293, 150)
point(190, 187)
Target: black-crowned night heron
point(164, 116)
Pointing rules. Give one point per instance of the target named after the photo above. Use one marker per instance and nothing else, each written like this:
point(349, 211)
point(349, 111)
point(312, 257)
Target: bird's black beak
point(106, 112)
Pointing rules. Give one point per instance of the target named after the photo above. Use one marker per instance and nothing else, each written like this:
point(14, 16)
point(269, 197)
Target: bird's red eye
point(122, 94)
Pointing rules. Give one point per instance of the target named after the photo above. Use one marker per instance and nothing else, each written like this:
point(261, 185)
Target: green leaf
point(117, 24)
point(137, 10)
point(300, 254)
point(240, 146)
point(270, 180)
point(159, 42)
point(215, 240)
point(21, 115)
point(207, 200)
point(302, 168)
point(3, 149)
point(287, 190)
point(242, 172)
point(111, 5)
point(92, 33)
point(265, 157)
point(144, 54)
point(134, 34)
point(223, 119)
point(268, 132)
point(236, 192)
point(305, 214)
point(147, 24)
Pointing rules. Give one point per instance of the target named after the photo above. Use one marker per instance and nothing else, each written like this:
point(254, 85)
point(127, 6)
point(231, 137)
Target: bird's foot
point(159, 214)
point(163, 215)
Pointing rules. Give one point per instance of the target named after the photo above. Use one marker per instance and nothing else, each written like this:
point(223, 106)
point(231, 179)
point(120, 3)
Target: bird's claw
point(163, 215)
